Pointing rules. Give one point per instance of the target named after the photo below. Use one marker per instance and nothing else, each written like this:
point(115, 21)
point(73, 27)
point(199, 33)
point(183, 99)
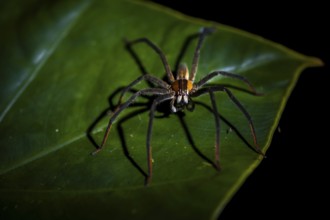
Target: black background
point(290, 182)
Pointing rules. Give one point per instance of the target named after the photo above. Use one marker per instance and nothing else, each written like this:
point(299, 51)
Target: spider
point(179, 92)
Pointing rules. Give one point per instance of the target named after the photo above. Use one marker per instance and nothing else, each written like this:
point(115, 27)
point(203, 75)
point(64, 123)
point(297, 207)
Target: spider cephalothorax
point(180, 91)
point(182, 87)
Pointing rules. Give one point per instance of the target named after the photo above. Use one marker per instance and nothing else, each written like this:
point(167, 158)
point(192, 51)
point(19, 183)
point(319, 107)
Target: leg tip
point(147, 181)
point(207, 30)
point(261, 153)
point(217, 166)
point(96, 151)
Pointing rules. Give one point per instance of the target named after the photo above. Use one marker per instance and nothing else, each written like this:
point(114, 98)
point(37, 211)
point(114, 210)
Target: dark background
point(290, 182)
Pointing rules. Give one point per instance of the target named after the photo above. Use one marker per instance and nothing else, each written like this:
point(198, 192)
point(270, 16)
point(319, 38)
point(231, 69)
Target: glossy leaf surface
point(61, 62)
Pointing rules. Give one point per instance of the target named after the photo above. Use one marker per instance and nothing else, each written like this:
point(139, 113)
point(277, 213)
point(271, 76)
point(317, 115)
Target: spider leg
point(151, 91)
point(248, 117)
point(149, 78)
point(157, 101)
point(159, 52)
point(183, 49)
point(239, 106)
point(206, 78)
point(203, 32)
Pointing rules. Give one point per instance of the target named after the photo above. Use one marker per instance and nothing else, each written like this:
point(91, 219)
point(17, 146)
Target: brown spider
point(180, 91)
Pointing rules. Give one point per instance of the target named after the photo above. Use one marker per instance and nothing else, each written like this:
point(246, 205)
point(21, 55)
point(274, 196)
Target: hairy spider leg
point(208, 77)
point(150, 91)
point(184, 48)
point(239, 106)
point(156, 102)
point(248, 117)
point(149, 78)
point(160, 53)
point(204, 31)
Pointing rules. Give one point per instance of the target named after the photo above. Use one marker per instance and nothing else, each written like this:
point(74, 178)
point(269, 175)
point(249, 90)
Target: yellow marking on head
point(189, 85)
point(175, 86)
point(183, 72)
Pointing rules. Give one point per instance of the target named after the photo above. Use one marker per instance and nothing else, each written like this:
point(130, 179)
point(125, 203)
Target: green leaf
point(61, 61)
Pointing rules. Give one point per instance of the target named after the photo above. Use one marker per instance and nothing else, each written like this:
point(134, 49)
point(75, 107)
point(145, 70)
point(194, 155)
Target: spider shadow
point(144, 107)
point(191, 141)
point(229, 124)
point(107, 113)
point(163, 112)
